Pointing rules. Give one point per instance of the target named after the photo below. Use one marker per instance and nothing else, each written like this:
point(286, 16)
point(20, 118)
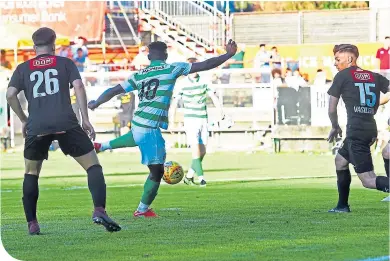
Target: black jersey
point(45, 81)
point(360, 90)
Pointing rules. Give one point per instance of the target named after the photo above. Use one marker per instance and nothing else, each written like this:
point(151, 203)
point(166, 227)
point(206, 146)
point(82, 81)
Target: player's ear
point(350, 59)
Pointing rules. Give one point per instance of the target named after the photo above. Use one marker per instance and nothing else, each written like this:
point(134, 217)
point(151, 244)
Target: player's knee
point(340, 162)
point(33, 168)
point(156, 172)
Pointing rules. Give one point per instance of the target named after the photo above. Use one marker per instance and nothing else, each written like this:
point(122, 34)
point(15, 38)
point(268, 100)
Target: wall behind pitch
point(316, 56)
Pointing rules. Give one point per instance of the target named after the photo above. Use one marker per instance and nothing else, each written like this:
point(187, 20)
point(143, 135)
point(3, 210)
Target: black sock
point(97, 186)
point(386, 166)
point(30, 196)
point(343, 184)
point(382, 183)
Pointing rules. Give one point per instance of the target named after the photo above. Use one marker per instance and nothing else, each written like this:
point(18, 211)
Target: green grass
point(254, 216)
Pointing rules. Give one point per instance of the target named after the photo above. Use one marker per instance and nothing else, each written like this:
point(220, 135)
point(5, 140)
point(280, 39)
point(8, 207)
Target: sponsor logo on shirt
point(361, 75)
point(43, 62)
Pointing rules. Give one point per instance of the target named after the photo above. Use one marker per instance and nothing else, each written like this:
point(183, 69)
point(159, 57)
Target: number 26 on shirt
point(51, 83)
point(367, 97)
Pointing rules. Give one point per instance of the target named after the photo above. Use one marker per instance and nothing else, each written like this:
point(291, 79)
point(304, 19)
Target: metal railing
point(196, 19)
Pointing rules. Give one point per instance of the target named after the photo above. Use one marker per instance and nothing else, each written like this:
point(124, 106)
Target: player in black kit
point(360, 90)
point(45, 81)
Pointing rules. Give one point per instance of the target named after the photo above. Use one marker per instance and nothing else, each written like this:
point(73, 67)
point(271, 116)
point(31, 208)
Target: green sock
point(197, 166)
point(150, 191)
point(123, 141)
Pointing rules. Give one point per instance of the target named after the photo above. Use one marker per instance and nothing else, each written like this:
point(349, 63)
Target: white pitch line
point(163, 183)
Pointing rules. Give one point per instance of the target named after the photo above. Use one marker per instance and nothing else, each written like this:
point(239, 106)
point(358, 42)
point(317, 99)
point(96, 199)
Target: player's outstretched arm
point(14, 103)
point(231, 49)
point(106, 96)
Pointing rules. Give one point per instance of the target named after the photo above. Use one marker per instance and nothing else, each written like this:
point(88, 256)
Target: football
point(173, 172)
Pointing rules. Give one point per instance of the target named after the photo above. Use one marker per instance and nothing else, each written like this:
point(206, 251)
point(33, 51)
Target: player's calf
point(151, 187)
point(371, 181)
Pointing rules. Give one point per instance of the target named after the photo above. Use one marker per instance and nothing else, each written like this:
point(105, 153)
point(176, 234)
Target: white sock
point(190, 173)
point(142, 207)
point(105, 146)
point(200, 178)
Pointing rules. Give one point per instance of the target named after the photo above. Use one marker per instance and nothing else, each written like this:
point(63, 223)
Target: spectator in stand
point(383, 54)
point(296, 80)
point(141, 59)
point(80, 60)
point(79, 42)
point(262, 61)
point(65, 51)
point(320, 79)
point(3, 60)
point(277, 80)
point(275, 58)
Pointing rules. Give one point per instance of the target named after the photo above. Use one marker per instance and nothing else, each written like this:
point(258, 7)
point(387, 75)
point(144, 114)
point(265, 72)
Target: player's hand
point(93, 105)
point(231, 48)
point(88, 128)
point(24, 129)
point(335, 133)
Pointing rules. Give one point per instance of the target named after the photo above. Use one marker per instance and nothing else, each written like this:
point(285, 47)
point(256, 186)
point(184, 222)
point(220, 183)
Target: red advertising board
point(67, 18)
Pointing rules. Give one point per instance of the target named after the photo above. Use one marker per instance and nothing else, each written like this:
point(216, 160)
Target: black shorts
point(74, 142)
point(358, 153)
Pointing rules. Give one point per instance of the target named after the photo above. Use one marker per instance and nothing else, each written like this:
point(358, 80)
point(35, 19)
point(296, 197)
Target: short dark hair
point(44, 36)
point(274, 71)
point(262, 45)
point(79, 49)
point(319, 70)
point(344, 48)
point(387, 37)
point(158, 46)
point(2, 52)
point(274, 47)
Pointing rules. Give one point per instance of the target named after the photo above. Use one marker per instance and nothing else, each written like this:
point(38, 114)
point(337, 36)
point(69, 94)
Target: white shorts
point(196, 131)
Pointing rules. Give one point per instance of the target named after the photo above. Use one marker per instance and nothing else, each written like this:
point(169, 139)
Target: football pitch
point(255, 207)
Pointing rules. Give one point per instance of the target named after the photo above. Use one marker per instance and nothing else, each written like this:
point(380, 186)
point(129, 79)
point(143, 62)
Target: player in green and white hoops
point(155, 86)
point(193, 90)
